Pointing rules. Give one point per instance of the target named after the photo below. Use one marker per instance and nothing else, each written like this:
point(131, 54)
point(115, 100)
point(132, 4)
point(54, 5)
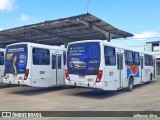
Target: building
point(154, 47)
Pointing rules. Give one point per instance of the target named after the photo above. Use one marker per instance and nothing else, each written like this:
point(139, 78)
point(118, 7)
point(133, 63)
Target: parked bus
point(2, 52)
point(34, 64)
point(106, 66)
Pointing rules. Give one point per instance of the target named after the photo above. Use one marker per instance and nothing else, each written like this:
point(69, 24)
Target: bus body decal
point(83, 59)
point(133, 70)
point(16, 59)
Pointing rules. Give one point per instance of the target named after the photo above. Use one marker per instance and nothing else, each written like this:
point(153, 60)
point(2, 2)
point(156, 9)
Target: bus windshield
point(83, 58)
point(16, 59)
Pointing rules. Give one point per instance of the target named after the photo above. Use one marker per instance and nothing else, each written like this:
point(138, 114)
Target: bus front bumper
point(85, 84)
point(16, 82)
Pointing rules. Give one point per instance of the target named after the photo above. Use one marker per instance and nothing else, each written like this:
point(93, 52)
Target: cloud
point(24, 18)
point(1, 29)
point(146, 35)
point(7, 5)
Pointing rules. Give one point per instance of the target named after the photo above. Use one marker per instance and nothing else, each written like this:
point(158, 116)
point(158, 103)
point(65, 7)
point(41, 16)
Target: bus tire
point(130, 84)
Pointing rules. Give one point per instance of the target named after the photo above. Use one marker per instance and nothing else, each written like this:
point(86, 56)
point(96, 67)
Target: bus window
point(53, 61)
point(1, 58)
point(41, 56)
point(146, 57)
point(129, 57)
point(150, 60)
point(110, 58)
point(59, 62)
point(136, 58)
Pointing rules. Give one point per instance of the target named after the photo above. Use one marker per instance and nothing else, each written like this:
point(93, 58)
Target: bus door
point(142, 68)
point(57, 70)
point(120, 68)
point(154, 68)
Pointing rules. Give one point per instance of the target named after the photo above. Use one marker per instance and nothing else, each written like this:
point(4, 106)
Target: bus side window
point(129, 57)
point(136, 58)
point(1, 58)
point(148, 60)
point(41, 56)
point(110, 57)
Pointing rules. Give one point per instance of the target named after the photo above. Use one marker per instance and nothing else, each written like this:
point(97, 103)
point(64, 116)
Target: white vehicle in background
point(35, 65)
point(108, 66)
point(77, 64)
point(2, 53)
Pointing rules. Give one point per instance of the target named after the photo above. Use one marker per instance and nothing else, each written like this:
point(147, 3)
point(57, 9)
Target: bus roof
point(40, 45)
point(113, 45)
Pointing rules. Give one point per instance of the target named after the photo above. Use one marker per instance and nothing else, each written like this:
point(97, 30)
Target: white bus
point(2, 52)
point(35, 65)
point(107, 66)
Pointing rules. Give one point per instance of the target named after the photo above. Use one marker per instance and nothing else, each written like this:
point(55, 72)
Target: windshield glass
point(16, 59)
point(87, 57)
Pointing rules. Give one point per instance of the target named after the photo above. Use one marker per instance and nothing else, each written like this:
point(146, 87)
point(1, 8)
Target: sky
point(139, 17)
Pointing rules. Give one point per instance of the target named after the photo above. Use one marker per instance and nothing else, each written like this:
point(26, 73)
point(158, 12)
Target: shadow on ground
point(79, 92)
point(2, 86)
point(100, 94)
point(36, 90)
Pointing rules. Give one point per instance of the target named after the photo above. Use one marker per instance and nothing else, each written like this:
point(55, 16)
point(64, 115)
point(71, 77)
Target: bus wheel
point(130, 84)
point(150, 78)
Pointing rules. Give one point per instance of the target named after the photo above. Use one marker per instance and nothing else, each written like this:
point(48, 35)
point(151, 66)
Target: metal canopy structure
point(63, 31)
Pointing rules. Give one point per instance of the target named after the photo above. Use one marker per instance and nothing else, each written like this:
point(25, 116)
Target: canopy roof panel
point(63, 31)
